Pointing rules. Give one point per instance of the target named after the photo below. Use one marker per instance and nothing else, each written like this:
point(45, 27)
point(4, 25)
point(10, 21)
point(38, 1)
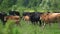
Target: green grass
point(25, 28)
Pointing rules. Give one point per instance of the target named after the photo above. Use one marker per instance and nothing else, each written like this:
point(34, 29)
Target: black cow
point(2, 15)
point(35, 18)
point(26, 13)
point(14, 13)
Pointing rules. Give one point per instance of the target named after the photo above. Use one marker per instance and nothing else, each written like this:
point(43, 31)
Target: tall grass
point(27, 28)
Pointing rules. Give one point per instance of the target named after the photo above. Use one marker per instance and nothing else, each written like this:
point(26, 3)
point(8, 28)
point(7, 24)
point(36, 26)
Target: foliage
point(41, 5)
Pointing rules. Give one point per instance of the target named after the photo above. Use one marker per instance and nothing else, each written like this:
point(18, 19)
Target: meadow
point(28, 28)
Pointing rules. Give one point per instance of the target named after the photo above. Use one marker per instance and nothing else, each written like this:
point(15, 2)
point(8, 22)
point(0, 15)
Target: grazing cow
point(50, 18)
point(2, 15)
point(14, 15)
point(26, 16)
point(16, 18)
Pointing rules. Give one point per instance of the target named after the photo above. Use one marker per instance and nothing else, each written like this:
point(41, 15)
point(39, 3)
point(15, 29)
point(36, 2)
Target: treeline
point(6, 5)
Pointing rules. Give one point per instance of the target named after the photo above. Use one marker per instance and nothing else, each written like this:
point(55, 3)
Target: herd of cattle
point(33, 17)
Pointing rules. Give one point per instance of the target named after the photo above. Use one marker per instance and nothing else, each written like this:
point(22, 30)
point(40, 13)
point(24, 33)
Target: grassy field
point(28, 28)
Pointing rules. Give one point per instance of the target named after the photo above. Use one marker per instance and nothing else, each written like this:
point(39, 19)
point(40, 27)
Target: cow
point(2, 15)
point(13, 15)
point(26, 16)
point(16, 18)
point(48, 18)
point(35, 18)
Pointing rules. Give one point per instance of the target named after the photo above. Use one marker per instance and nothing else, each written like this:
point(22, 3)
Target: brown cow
point(26, 18)
point(50, 18)
point(16, 18)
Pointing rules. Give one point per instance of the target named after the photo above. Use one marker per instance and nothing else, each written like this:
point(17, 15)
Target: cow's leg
point(58, 23)
point(43, 25)
point(28, 22)
point(50, 24)
point(40, 23)
point(33, 23)
point(18, 23)
point(4, 22)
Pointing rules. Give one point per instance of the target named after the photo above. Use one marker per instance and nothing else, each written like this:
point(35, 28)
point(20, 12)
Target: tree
point(7, 4)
